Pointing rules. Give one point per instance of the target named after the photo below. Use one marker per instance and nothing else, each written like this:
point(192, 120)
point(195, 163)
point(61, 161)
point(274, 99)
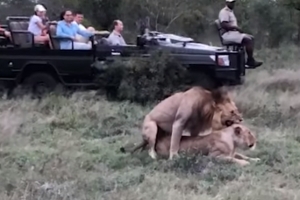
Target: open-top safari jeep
point(38, 65)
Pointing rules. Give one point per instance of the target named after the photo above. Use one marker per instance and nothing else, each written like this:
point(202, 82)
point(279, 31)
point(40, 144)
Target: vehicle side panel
point(12, 61)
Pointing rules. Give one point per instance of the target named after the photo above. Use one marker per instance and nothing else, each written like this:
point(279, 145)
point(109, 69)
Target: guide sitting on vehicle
point(232, 33)
point(66, 28)
point(36, 26)
point(116, 38)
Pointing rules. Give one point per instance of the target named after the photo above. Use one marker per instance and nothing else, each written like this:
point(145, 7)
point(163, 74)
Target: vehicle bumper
point(235, 72)
point(230, 76)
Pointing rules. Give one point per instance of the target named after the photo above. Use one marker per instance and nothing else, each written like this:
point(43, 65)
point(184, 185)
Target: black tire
point(5, 89)
point(40, 83)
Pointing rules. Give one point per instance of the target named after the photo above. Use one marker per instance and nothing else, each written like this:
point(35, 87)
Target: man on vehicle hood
point(234, 34)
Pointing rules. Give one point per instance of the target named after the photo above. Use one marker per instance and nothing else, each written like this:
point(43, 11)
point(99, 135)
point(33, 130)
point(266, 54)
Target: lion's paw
point(243, 162)
point(173, 155)
point(153, 154)
point(255, 159)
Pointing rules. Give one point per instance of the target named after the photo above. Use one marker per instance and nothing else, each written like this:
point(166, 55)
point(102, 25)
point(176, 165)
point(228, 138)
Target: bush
point(143, 79)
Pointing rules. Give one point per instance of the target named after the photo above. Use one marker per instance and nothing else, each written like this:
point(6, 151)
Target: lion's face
point(243, 137)
point(229, 112)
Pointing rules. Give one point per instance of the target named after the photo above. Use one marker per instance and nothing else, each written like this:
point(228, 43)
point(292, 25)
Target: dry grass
point(68, 148)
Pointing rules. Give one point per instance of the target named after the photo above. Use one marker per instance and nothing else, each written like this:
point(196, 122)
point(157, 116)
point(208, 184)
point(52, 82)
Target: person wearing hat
point(36, 26)
point(233, 33)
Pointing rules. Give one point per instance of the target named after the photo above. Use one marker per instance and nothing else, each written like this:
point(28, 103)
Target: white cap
point(230, 0)
point(39, 8)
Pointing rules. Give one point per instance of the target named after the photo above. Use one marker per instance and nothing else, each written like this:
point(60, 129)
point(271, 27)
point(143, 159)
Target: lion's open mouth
point(228, 122)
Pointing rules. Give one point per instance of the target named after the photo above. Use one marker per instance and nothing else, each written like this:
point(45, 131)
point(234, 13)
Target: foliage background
point(272, 22)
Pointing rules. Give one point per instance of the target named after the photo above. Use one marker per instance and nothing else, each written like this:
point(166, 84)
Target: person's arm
point(224, 19)
point(39, 22)
point(226, 25)
point(84, 33)
point(60, 32)
point(3, 31)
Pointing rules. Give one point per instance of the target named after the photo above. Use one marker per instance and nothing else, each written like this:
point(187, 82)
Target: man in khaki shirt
point(233, 34)
point(116, 38)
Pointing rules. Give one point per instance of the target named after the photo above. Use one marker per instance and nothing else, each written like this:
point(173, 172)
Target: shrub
point(143, 79)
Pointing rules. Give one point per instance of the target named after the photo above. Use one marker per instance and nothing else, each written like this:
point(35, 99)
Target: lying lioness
point(221, 144)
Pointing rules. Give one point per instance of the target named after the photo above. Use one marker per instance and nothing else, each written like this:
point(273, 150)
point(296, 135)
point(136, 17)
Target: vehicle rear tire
point(40, 83)
point(5, 89)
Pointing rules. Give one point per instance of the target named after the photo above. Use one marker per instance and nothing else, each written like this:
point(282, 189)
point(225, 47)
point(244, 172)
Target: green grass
point(68, 148)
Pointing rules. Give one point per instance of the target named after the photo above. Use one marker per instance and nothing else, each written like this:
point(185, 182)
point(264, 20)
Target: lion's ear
point(237, 131)
point(219, 94)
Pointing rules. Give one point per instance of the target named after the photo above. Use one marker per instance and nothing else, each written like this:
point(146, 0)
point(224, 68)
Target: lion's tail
point(142, 146)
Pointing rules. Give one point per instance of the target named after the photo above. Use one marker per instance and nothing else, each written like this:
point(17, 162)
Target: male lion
point(221, 121)
point(189, 113)
point(220, 144)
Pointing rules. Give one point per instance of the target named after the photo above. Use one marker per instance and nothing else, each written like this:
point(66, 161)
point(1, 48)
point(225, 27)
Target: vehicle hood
point(176, 41)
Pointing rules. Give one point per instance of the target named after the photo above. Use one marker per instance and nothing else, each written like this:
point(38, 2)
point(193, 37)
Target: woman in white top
point(36, 26)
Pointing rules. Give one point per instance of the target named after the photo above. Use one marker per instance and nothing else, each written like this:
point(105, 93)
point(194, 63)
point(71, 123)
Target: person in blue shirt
point(65, 28)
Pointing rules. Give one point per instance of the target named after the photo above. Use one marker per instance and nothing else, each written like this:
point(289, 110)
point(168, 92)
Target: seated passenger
point(67, 29)
point(115, 38)
point(45, 19)
point(234, 34)
point(5, 33)
point(36, 26)
point(78, 18)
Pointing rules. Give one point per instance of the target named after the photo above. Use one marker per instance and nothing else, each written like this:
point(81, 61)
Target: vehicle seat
point(52, 34)
point(228, 45)
point(104, 42)
point(19, 34)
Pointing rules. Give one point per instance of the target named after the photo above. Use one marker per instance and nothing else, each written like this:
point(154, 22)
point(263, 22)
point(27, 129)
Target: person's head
point(78, 17)
point(118, 26)
point(67, 15)
point(230, 4)
point(39, 10)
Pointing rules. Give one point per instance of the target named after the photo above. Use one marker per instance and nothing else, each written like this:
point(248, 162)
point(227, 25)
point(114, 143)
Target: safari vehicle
point(24, 63)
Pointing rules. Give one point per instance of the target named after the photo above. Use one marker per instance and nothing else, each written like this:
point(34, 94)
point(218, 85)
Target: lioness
point(189, 113)
point(220, 144)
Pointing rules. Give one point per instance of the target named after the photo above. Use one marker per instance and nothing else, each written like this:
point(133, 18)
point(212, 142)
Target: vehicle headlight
point(223, 60)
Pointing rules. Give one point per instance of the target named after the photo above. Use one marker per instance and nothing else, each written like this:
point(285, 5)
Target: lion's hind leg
point(243, 157)
point(231, 158)
point(150, 132)
point(234, 160)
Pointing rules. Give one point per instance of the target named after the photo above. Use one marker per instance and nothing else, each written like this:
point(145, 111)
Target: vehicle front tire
point(40, 83)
